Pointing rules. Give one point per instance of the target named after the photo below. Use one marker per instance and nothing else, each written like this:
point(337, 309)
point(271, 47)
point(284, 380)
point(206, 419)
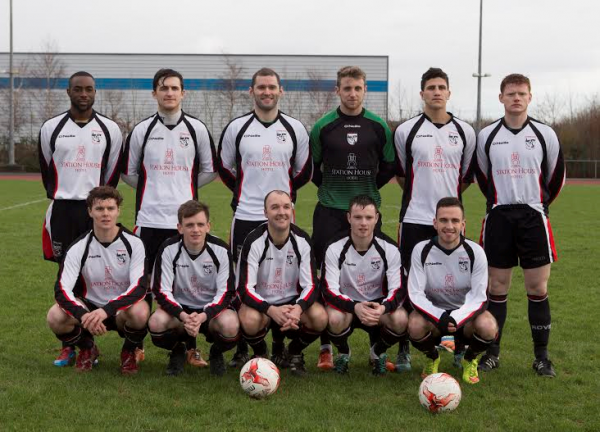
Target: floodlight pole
point(479, 75)
point(11, 109)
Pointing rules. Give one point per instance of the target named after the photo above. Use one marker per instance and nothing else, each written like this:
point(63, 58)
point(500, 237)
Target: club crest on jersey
point(449, 282)
point(453, 138)
point(266, 154)
point(281, 136)
point(463, 264)
point(96, 136)
point(360, 279)
point(121, 256)
point(351, 161)
point(169, 157)
point(207, 267)
point(289, 259)
point(184, 139)
point(375, 263)
point(278, 274)
point(352, 138)
point(530, 142)
point(194, 284)
point(80, 154)
point(515, 160)
point(438, 153)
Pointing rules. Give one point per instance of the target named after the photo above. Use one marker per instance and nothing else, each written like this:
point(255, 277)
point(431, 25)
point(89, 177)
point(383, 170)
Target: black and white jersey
point(77, 157)
point(434, 160)
point(167, 161)
point(205, 281)
point(524, 166)
point(112, 275)
point(270, 275)
point(349, 277)
point(453, 281)
point(256, 158)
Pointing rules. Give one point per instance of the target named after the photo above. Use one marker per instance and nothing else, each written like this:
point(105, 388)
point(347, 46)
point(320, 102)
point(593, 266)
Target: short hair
point(81, 74)
point(103, 193)
point(163, 74)
point(265, 72)
point(514, 79)
point(192, 208)
point(277, 191)
point(362, 201)
point(352, 72)
point(449, 202)
point(432, 73)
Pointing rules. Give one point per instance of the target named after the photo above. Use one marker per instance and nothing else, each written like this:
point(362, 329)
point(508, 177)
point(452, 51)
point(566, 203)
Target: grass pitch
point(35, 395)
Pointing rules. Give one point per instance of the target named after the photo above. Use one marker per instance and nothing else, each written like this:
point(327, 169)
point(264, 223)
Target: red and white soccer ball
point(439, 393)
point(259, 378)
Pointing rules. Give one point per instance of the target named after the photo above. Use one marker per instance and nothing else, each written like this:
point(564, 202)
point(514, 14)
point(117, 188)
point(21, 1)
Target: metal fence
point(582, 168)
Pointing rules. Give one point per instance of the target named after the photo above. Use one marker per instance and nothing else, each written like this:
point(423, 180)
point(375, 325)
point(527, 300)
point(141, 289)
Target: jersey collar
point(443, 249)
point(439, 125)
point(516, 131)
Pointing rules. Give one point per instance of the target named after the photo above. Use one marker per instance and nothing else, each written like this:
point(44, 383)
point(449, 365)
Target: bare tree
point(20, 106)
point(321, 97)
point(48, 68)
point(229, 95)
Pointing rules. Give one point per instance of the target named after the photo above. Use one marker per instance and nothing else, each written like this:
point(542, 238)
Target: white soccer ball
point(259, 378)
point(439, 393)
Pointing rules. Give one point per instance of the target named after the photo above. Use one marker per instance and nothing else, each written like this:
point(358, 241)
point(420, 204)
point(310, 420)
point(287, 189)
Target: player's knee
point(398, 321)
point(56, 318)
point(317, 318)
point(338, 321)
point(228, 323)
point(417, 326)
point(159, 321)
point(251, 320)
point(137, 315)
point(486, 326)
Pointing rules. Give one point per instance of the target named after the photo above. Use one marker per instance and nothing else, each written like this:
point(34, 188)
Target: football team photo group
point(168, 281)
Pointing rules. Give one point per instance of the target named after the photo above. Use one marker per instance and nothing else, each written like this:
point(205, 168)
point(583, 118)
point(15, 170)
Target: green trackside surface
point(35, 395)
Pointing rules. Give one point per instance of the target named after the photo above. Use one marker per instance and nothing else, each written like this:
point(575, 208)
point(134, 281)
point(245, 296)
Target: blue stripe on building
point(190, 84)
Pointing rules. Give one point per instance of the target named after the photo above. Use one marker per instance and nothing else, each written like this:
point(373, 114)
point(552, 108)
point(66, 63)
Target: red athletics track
point(37, 177)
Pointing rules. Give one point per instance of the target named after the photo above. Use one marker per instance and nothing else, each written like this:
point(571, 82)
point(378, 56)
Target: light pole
point(11, 109)
point(479, 75)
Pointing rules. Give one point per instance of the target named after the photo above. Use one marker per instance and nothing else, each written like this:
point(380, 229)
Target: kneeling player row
point(102, 282)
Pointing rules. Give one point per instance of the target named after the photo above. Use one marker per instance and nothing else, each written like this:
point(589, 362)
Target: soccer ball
point(259, 378)
point(439, 393)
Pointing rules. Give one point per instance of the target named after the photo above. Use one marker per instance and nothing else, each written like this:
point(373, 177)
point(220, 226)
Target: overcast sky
point(556, 43)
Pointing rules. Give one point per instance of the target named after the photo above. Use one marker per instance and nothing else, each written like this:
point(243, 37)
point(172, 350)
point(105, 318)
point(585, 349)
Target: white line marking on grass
point(23, 204)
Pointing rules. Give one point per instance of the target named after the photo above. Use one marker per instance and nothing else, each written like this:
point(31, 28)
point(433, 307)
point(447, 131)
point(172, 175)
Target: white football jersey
point(256, 158)
point(349, 277)
point(524, 166)
point(270, 275)
point(77, 157)
point(205, 281)
point(453, 281)
point(112, 275)
point(435, 161)
point(167, 160)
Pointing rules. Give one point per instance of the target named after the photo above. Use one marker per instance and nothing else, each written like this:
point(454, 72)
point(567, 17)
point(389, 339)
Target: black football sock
point(86, 341)
point(71, 338)
point(427, 345)
point(340, 340)
point(540, 322)
point(387, 338)
point(498, 306)
point(167, 339)
point(477, 345)
point(257, 342)
point(303, 338)
point(223, 344)
point(133, 338)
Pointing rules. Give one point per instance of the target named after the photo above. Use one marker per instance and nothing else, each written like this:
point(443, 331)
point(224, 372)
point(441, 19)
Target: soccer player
point(353, 154)
point(110, 262)
point(78, 150)
point(277, 283)
point(362, 286)
point(193, 283)
point(520, 170)
point(259, 152)
point(168, 156)
point(447, 286)
point(434, 150)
